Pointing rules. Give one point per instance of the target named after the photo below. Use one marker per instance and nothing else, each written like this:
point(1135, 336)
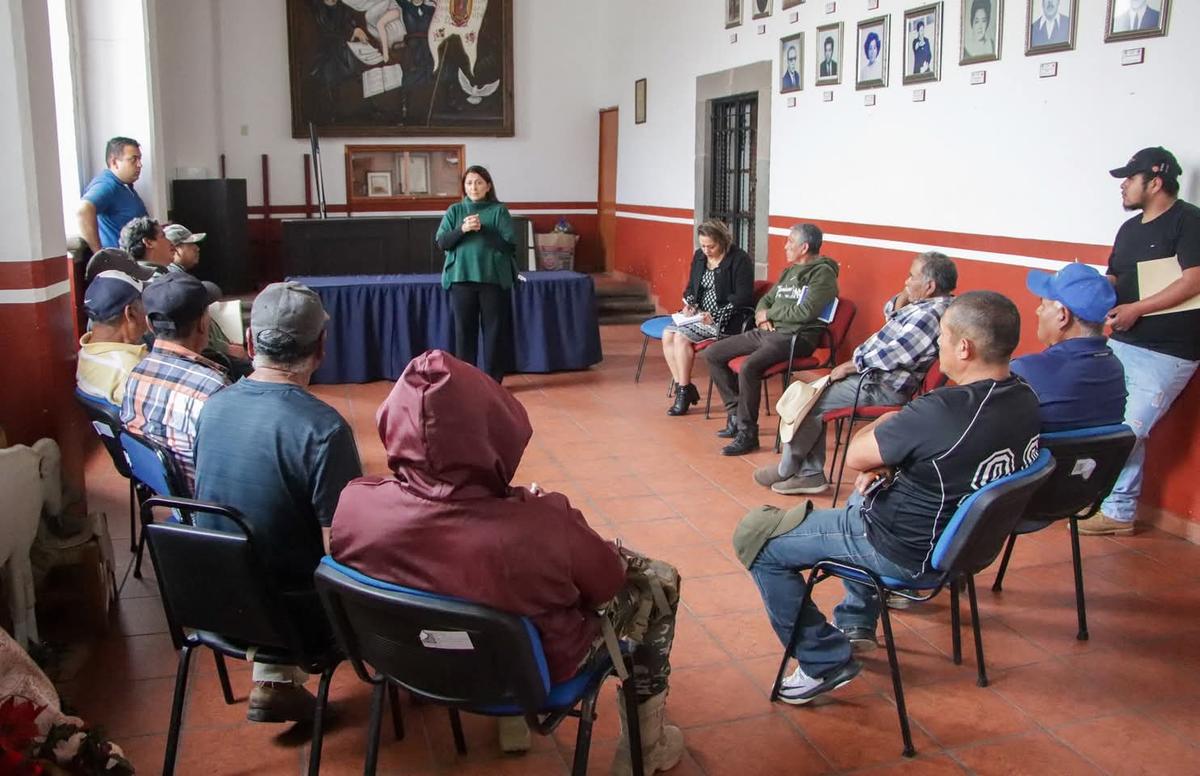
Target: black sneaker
point(799, 688)
point(745, 442)
point(861, 639)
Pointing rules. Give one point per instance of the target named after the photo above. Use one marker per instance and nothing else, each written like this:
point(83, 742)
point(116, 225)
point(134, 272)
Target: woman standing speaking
point(480, 244)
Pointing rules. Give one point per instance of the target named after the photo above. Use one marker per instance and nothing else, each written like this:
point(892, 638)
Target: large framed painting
point(401, 67)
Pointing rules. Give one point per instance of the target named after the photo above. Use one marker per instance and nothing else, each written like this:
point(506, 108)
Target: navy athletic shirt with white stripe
point(944, 446)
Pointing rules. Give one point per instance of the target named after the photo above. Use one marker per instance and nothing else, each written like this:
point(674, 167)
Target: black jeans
point(741, 390)
point(490, 305)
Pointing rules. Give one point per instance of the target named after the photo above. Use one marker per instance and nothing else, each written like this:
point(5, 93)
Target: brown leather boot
point(280, 702)
point(662, 744)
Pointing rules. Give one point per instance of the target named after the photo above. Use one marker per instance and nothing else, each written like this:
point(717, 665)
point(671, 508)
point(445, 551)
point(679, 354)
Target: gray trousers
point(805, 454)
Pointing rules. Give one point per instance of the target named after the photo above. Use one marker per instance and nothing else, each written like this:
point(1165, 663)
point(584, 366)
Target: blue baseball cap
point(1080, 288)
point(175, 300)
point(109, 294)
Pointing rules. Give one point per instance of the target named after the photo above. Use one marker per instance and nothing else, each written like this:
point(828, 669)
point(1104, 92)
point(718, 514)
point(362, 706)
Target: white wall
point(230, 58)
point(1018, 156)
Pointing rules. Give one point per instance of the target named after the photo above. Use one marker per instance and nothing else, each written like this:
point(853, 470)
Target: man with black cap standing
point(269, 448)
point(167, 390)
point(113, 345)
point(1155, 267)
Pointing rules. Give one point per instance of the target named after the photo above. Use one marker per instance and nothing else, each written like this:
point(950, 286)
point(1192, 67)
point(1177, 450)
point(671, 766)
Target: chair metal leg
point(955, 624)
point(671, 387)
point(629, 696)
point(641, 359)
point(460, 743)
point(1080, 605)
point(982, 681)
point(137, 561)
point(583, 739)
point(397, 715)
point(708, 401)
point(181, 677)
point(897, 682)
point(842, 469)
point(997, 585)
point(318, 728)
point(373, 724)
point(223, 676)
point(132, 517)
point(766, 397)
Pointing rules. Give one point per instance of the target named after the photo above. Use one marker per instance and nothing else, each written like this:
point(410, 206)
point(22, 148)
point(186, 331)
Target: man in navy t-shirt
point(109, 200)
point(917, 466)
point(1079, 381)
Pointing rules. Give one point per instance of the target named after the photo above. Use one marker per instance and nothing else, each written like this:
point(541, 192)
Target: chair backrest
point(983, 522)
point(1088, 462)
point(761, 287)
point(835, 334)
point(934, 378)
point(215, 581)
point(442, 648)
point(153, 466)
point(106, 421)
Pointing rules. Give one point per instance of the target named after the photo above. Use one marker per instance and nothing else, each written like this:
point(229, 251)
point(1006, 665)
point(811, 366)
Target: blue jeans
point(1153, 381)
point(838, 534)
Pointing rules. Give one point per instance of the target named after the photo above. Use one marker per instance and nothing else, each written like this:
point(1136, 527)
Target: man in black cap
point(115, 259)
point(113, 345)
point(167, 390)
point(287, 482)
point(1155, 267)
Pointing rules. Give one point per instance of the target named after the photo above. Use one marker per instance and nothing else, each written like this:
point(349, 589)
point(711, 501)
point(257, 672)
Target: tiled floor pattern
point(1128, 701)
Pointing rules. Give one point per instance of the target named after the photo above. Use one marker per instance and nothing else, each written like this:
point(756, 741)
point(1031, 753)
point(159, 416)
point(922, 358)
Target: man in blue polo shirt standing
point(109, 200)
point(1079, 381)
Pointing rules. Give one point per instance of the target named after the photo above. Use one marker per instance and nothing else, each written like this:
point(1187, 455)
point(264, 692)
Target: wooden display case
point(385, 177)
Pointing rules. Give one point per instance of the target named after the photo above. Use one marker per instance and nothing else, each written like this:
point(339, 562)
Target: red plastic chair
point(845, 418)
point(824, 357)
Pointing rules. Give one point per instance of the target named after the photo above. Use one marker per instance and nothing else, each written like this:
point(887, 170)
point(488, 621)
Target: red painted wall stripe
point(36, 273)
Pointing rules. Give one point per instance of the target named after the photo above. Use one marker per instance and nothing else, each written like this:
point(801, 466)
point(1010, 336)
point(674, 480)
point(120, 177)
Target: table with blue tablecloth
point(378, 323)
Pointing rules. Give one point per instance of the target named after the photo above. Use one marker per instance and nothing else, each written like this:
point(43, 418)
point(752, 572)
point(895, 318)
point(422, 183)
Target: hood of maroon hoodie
point(449, 522)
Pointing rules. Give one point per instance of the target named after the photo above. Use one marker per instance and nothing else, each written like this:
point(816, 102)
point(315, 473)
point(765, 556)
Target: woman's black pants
point(490, 305)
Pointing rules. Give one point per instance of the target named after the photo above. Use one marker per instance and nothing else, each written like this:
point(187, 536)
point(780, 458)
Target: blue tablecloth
point(378, 323)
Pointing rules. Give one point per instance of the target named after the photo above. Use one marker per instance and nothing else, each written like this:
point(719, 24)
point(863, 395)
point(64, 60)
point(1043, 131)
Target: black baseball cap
point(175, 300)
point(115, 258)
point(1153, 161)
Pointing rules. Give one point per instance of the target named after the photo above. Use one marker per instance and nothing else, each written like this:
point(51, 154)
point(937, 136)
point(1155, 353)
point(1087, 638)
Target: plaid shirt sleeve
point(905, 342)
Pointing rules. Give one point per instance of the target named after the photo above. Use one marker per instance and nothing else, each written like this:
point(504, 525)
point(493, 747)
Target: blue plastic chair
point(970, 542)
point(651, 329)
point(461, 655)
point(154, 473)
point(1089, 462)
point(106, 422)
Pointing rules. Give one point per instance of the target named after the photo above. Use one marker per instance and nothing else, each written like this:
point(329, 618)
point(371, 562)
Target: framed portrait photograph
point(873, 44)
point(1136, 19)
point(829, 54)
point(733, 13)
point(1050, 26)
point(639, 101)
point(923, 44)
point(379, 184)
point(762, 8)
point(791, 4)
point(791, 55)
point(982, 21)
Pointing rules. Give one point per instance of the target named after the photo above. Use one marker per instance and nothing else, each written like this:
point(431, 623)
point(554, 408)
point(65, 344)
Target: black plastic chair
point(218, 594)
point(461, 655)
point(154, 472)
point(1089, 462)
point(106, 421)
point(972, 539)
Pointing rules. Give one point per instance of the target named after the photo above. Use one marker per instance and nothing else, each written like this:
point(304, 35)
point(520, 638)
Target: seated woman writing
point(720, 285)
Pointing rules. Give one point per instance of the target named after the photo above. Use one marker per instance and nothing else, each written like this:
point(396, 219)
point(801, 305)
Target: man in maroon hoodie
point(449, 522)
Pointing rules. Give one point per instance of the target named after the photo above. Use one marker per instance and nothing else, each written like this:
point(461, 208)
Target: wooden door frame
point(606, 250)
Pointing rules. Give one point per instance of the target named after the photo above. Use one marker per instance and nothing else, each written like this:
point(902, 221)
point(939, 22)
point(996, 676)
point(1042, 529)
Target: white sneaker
point(799, 688)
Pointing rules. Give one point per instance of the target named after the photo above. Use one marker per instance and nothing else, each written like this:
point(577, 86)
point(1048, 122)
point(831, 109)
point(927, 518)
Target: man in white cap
point(113, 346)
point(269, 448)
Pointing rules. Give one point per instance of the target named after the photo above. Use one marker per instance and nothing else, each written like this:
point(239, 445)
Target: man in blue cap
point(1080, 383)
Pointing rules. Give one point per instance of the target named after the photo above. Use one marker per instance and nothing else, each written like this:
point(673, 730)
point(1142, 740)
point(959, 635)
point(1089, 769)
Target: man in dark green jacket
point(792, 306)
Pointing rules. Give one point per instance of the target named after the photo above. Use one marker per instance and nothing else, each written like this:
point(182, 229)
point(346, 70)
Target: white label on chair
point(103, 429)
point(1084, 468)
point(446, 639)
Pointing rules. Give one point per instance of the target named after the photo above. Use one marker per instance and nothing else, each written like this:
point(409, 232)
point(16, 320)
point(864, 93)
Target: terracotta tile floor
point(1128, 701)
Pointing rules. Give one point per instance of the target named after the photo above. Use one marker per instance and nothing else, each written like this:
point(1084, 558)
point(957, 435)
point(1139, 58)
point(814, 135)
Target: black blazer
point(734, 280)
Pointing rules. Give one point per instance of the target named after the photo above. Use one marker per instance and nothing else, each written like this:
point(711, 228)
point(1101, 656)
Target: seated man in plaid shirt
point(167, 390)
point(899, 354)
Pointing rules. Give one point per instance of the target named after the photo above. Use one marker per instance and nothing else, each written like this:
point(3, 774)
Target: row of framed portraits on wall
point(1050, 27)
